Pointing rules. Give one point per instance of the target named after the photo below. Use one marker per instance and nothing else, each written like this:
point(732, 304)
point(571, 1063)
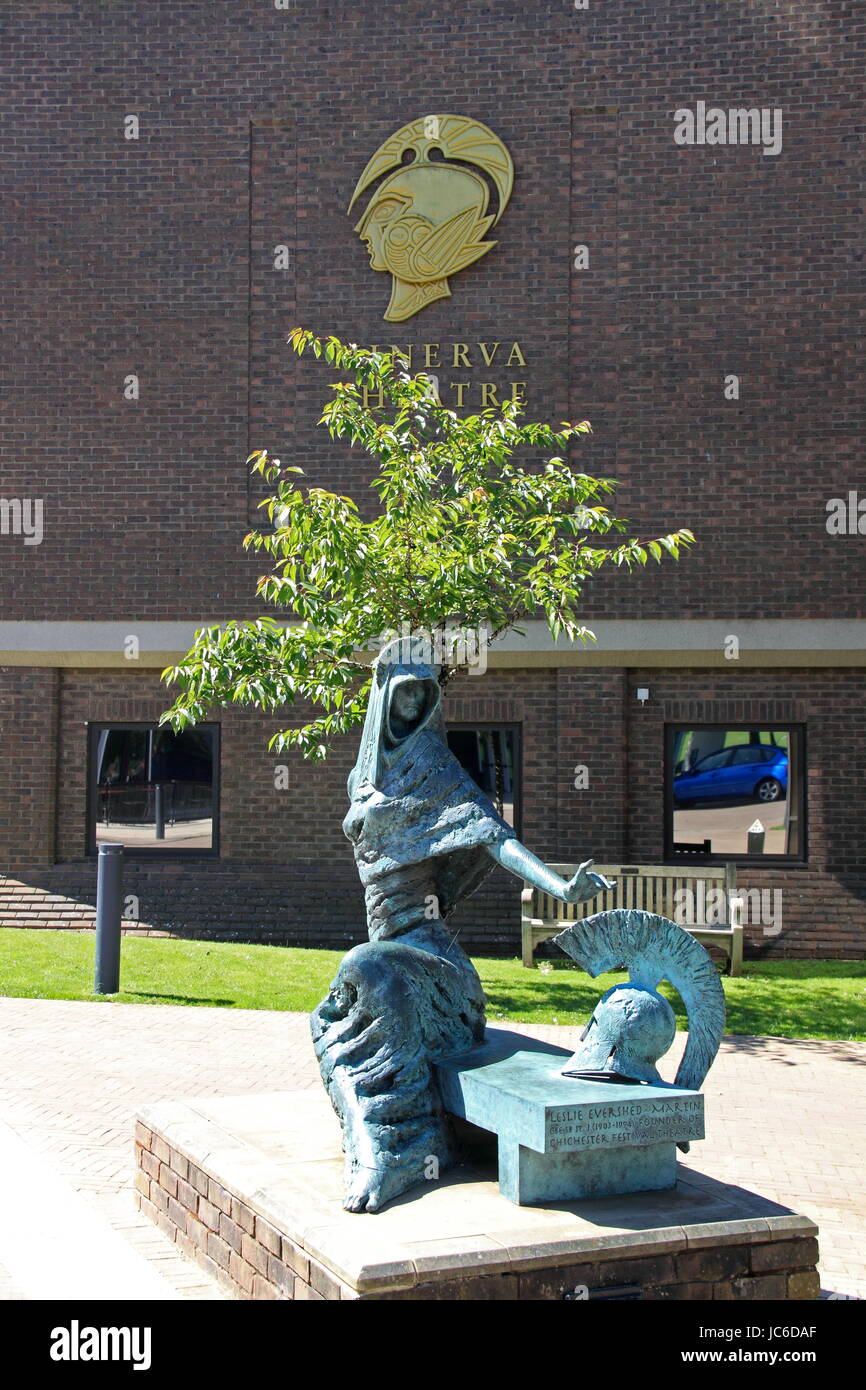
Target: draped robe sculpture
point(424, 837)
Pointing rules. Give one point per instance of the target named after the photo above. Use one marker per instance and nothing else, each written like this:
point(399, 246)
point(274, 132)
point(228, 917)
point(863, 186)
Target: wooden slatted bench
point(650, 888)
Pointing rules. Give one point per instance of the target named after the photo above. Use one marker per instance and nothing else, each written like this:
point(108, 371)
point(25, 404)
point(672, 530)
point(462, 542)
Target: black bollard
point(109, 910)
point(159, 812)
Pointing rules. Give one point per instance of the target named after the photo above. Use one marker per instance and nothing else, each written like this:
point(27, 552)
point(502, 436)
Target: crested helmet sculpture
point(632, 1025)
point(428, 219)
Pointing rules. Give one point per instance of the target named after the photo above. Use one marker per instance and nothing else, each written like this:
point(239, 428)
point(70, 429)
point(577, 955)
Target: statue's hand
point(585, 885)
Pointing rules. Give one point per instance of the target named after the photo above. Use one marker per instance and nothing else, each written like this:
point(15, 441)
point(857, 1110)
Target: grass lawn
point(789, 999)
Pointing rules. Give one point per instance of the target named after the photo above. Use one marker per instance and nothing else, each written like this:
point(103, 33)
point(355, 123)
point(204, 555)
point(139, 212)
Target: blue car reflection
point(747, 772)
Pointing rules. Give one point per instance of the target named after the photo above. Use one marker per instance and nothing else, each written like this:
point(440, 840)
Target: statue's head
point(428, 218)
point(413, 696)
point(630, 1029)
point(405, 700)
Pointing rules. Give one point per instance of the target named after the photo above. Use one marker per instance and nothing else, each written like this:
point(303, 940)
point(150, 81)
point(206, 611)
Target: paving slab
point(53, 1244)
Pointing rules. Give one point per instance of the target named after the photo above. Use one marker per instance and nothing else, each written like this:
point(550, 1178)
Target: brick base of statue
point(251, 1187)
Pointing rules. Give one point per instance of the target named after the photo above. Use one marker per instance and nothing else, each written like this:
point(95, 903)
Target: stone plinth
point(560, 1137)
point(251, 1187)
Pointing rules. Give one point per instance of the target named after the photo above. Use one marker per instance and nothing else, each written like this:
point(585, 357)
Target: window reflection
point(154, 788)
point(735, 791)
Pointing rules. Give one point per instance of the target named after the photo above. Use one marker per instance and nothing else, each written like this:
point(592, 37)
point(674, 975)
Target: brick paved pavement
point(785, 1118)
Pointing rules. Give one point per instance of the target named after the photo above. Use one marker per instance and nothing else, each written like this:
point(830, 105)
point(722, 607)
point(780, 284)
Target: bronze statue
point(424, 836)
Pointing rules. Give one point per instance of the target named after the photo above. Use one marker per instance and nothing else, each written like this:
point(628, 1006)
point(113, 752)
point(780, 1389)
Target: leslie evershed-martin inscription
point(649, 1121)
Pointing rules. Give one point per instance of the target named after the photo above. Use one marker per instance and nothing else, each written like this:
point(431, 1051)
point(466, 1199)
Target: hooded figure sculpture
point(424, 836)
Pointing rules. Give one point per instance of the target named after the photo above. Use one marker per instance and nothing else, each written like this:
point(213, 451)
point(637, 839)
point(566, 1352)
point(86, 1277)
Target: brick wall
point(155, 257)
point(29, 717)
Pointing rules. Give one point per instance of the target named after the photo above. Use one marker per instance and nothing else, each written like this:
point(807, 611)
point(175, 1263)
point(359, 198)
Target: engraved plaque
point(616, 1123)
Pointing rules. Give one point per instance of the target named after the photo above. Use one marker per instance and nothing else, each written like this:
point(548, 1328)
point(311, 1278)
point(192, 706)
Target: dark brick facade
point(155, 257)
point(145, 256)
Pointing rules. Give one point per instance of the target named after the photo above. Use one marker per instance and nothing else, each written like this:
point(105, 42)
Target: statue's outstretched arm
point(520, 861)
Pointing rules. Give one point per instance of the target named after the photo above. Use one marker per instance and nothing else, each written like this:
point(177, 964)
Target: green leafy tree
point(463, 537)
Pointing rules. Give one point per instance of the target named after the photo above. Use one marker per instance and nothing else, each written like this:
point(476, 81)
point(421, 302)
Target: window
point(490, 753)
point(735, 792)
point(152, 790)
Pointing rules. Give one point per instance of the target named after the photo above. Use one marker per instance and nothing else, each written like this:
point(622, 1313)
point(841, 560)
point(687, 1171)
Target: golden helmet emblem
point(428, 219)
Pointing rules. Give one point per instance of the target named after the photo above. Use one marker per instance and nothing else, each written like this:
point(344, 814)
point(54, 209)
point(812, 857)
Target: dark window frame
point(507, 726)
point(91, 847)
point(794, 729)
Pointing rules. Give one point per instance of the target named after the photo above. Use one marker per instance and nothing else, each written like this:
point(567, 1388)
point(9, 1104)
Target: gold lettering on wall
point(464, 394)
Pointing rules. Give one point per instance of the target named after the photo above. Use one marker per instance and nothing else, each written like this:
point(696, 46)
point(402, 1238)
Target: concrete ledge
point(251, 1187)
point(696, 642)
